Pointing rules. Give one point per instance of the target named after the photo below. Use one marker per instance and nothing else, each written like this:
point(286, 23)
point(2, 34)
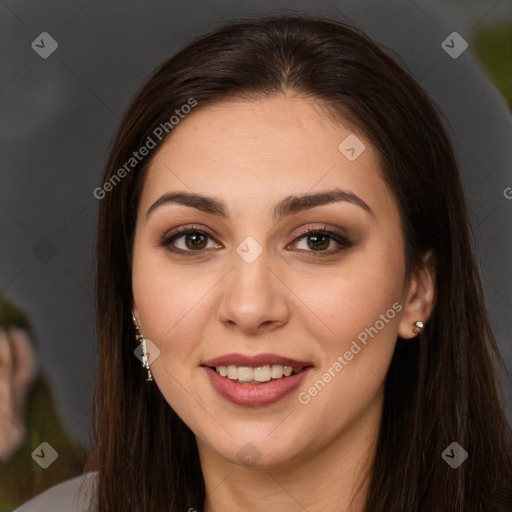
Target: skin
point(290, 301)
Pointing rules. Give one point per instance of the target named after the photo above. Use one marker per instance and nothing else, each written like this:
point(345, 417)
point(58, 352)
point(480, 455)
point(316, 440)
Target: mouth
point(256, 375)
point(254, 370)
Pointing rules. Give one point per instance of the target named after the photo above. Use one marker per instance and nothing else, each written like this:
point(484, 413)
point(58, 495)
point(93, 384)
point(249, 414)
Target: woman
point(289, 310)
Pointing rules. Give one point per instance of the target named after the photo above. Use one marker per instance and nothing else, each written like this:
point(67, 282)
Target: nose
point(254, 298)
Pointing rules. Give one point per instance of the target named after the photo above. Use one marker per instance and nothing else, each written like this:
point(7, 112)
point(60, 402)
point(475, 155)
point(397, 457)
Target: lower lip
point(255, 395)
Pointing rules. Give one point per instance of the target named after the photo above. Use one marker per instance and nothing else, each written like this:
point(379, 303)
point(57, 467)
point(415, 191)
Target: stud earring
point(418, 327)
point(140, 339)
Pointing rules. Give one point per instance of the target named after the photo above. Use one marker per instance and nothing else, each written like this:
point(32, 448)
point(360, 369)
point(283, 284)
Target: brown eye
point(195, 240)
point(320, 240)
point(188, 241)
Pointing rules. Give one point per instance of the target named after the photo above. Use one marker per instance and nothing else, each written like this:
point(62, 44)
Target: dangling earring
point(140, 339)
point(418, 327)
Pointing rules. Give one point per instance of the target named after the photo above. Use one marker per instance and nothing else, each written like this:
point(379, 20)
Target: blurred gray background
point(58, 116)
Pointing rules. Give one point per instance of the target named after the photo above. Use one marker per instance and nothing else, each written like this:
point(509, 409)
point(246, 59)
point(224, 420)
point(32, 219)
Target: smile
point(258, 374)
point(255, 381)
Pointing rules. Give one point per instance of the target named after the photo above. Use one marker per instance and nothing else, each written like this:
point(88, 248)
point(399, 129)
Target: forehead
point(254, 152)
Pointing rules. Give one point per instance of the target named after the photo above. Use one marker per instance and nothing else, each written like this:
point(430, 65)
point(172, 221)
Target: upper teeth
point(259, 373)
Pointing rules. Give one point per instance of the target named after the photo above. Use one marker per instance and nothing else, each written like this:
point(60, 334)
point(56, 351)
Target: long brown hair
point(440, 388)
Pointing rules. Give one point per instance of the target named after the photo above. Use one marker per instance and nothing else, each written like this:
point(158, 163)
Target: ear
point(419, 295)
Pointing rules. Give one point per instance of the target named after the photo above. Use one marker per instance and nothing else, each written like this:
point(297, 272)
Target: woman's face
point(248, 288)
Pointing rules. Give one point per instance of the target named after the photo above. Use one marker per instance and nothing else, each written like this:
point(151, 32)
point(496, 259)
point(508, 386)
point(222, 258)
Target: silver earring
point(140, 339)
point(418, 327)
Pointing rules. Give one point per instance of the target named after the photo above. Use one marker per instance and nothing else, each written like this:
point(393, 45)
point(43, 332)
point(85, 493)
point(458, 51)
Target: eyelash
point(167, 241)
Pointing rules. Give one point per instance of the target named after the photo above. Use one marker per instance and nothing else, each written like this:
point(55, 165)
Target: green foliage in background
point(12, 315)
point(494, 50)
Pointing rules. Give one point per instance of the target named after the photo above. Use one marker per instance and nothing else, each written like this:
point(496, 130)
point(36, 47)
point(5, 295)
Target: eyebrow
point(288, 206)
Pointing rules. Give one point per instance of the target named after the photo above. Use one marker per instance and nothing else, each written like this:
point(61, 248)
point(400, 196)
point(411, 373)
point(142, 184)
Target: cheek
point(360, 312)
point(163, 293)
point(354, 296)
point(166, 302)
point(163, 299)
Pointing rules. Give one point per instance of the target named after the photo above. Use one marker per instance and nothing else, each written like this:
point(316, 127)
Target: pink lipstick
point(255, 381)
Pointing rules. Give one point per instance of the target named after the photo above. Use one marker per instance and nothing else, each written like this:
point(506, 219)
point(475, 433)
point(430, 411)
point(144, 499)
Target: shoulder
point(75, 495)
